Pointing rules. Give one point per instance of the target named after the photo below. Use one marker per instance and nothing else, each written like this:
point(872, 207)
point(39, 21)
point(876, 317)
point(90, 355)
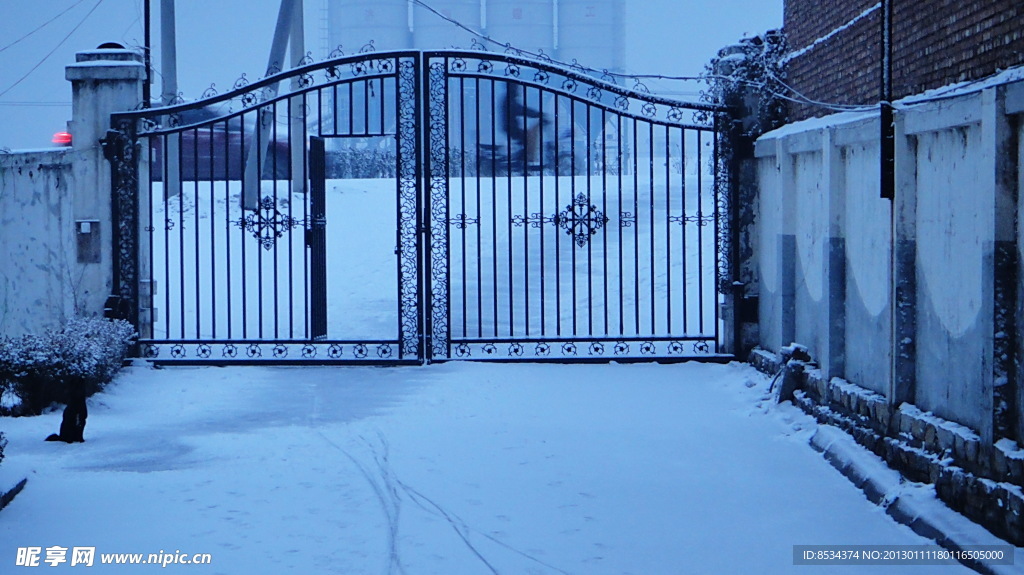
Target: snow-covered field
point(455, 468)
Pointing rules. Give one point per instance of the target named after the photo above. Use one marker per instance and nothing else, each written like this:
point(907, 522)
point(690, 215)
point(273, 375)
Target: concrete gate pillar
point(103, 81)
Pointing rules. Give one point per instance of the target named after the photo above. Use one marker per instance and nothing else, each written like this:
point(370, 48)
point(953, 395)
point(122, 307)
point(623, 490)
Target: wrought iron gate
point(404, 207)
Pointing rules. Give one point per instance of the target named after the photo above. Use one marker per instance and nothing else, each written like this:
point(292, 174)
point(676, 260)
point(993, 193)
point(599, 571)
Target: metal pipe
point(169, 92)
point(257, 154)
point(147, 62)
point(888, 134)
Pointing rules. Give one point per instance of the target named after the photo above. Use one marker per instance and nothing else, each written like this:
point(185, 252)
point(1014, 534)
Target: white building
point(590, 32)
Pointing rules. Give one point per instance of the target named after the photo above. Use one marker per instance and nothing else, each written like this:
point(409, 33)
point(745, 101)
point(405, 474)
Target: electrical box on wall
point(87, 236)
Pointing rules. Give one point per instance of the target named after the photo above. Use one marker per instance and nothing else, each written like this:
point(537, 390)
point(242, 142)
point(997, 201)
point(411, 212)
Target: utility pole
point(146, 59)
point(169, 93)
point(168, 53)
point(257, 156)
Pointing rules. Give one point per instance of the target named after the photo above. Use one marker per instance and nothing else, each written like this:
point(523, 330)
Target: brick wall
point(935, 43)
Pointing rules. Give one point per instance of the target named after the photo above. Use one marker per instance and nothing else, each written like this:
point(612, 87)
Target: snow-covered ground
point(457, 468)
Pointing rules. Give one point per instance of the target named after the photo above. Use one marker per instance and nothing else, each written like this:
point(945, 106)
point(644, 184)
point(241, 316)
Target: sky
point(218, 41)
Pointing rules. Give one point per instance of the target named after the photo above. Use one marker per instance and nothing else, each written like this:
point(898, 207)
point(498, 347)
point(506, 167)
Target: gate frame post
point(737, 174)
point(120, 147)
point(435, 208)
point(410, 235)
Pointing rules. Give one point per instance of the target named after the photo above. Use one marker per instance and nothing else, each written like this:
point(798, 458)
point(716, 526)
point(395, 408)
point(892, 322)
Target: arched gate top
point(571, 82)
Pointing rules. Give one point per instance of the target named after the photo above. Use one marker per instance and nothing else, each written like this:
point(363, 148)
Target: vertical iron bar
point(590, 243)
point(382, 89)
point(291, 201)
point(181, 238)
point(261, 117)
point(700, 229)
point(165, 175)
point(480, 224)
point(243, 277)
point(366, 107)
point(213, 236)
point(650, 197)
point(683, 254)
point(619, 170)
point(508, 162)
point(273, 185)
point(195, 210)
point(540, 211)
point(227, 220)
point(604, 210)
point(465, 215)
point(526, 208)
point(558, 236)
point(636, 226)
point(334, 108)
point(668, 230)
point(572, 207)
point(494, 200)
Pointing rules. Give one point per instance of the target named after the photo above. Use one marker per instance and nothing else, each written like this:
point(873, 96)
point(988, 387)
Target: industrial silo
point(525, 24)
point(593, 33)
point(432, 32)
point(353, 23)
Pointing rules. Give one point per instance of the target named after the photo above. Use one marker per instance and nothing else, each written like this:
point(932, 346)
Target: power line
point(50, 53)
point(542, 56)
point(43, 25)
point(36, 103)
point(796, 98)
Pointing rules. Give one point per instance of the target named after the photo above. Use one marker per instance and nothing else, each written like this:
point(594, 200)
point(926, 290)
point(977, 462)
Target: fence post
point(736, 133)
point(904, 272)
point(103, 81)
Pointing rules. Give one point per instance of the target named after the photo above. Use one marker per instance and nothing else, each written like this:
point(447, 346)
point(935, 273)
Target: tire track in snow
point(389, 489)
point(390, 505)
point(461, 528)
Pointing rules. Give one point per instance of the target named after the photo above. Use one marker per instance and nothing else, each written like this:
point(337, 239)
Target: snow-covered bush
point(3, 444)
point(750, 78)
point(40, 369)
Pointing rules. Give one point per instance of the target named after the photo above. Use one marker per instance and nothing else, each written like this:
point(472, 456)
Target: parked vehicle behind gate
point(217, 150)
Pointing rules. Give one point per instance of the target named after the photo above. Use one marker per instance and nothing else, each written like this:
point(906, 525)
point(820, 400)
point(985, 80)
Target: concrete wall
point(40, 280)
point(919, 298)
point(866, 305)
point(55, 217)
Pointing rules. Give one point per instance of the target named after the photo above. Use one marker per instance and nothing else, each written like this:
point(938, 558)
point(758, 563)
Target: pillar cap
point(106, 64)
point(115, 54)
